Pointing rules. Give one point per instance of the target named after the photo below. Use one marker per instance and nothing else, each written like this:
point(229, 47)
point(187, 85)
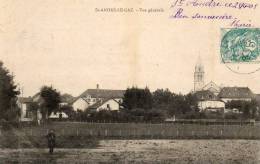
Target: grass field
point(144, 151)
point(87, 135)
point(132, 143)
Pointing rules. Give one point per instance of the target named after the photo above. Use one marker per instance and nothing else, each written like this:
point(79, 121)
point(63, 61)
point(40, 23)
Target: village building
point(199, 76)
point(199, 80)
point(257, 98)
point(109, 104)
point(236, 93)
point(208, 101)
point(213, 87)
point(23, 104)
point(212, 96)
point(99, 99)
point(26, 114)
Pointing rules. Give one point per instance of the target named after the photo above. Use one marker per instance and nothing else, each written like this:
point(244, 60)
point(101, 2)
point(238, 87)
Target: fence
point(146, 131)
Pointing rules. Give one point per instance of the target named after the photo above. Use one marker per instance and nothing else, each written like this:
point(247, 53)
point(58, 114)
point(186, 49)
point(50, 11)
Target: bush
point(232, 116)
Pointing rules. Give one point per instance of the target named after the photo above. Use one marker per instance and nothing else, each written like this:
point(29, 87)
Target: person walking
point(51, 141)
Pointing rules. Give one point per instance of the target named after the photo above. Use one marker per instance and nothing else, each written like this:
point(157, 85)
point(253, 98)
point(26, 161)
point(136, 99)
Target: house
point(99, 98)
point(257, 98)
point(207, 100)
point(25, 113)
point(23, 104)
point(80, 104)
point(108, 104)
point(236, 93)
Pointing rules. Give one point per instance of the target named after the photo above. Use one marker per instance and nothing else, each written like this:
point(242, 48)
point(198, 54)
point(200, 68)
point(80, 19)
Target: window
point(108, 106)
point(28, 113)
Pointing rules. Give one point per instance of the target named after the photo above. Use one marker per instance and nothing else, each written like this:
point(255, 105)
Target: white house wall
point(112, 104)
point(211, 104)
point(23, 108)
point(235, 99)
point(80, 104)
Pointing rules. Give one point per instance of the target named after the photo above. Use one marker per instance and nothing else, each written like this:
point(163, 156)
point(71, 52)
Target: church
point(199, 83)
point(213, 97)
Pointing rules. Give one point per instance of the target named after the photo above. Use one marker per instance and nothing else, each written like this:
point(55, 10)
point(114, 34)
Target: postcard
point(119, 81)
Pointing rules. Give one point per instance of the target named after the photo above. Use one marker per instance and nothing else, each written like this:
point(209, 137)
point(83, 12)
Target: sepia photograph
point(129, 82)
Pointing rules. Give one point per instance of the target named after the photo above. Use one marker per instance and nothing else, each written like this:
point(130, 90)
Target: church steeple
point(199, 76)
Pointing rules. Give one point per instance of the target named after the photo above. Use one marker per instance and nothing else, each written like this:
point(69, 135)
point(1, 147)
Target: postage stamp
point(240, 45)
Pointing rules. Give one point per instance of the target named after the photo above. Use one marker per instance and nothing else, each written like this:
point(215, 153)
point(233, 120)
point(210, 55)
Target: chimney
point(97, 86)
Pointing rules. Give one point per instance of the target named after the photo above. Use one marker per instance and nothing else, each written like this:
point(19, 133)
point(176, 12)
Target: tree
point(33, 107)
point(8, 95)
point(192, 100)
point(248, 108)
point(68, 109)
point(137, 98)
point(162, 97)
point(50, 100)
point(174, 104)
point(178, 105)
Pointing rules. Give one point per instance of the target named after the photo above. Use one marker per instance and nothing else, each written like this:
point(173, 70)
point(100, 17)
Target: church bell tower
point(199, 76)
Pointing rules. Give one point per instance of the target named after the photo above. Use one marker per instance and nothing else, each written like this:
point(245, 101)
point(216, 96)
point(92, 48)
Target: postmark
point(240, 49)
point(241, 45)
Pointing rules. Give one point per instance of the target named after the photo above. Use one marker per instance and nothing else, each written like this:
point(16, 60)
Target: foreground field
point(144, 151)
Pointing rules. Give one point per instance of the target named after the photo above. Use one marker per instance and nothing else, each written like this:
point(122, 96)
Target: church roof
point(236, 92)
point(205, 95)
point(211, 85)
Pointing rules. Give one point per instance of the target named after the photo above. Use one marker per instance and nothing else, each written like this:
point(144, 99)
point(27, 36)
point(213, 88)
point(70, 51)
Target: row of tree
point(161, 100)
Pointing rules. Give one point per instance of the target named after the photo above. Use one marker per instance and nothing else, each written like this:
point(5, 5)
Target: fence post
point(120, 133)
point(77, 132)
point(177, 133)
point(162, 134)
point(221, 132)
point(192, 133)
point(31, 132)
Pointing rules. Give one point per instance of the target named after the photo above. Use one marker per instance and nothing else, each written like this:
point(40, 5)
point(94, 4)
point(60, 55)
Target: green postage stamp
point(240, 45)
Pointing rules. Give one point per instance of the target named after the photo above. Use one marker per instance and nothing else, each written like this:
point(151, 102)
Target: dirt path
point(144, 151)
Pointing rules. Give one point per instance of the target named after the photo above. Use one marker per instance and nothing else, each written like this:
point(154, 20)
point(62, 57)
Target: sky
point(66, 44)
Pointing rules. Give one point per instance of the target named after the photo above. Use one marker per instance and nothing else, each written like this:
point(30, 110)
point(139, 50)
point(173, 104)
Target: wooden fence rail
point(147, 131)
